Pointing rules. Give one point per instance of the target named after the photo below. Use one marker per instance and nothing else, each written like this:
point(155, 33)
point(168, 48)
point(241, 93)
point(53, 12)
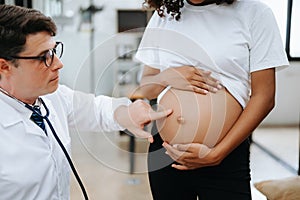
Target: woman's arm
point(151, 84)
point(185, 78)
point(260, 104)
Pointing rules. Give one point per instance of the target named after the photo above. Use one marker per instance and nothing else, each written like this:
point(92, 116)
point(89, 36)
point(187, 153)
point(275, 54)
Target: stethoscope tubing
point(55, 135)
point(60, 144)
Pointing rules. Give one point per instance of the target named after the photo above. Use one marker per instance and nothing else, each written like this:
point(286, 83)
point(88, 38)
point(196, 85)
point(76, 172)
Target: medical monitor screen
point(132, 20)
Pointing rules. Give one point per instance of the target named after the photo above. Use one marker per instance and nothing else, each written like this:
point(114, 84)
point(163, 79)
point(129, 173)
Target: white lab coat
point(32, 165)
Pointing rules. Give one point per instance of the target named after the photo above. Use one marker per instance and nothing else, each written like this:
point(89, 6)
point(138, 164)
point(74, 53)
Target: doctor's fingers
point(147, 114)
point(154, 115)
point(140, 133)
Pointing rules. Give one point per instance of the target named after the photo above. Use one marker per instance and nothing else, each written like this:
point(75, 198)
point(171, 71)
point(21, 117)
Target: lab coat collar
point(14, 112)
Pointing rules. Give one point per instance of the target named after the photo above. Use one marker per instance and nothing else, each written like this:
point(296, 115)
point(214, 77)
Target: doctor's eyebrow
point(46, 50)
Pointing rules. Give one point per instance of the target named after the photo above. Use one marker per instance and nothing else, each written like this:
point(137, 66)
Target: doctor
point(34, 147)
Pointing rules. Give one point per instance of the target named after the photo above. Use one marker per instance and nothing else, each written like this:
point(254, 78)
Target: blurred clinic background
point(100, 39)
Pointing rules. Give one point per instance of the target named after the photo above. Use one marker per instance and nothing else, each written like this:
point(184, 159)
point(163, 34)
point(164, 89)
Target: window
point(293, 30)
point(279, 8)
point(287, 13)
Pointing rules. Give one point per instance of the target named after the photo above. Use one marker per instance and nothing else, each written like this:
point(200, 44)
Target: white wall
point(77, 73)
point(287, 110)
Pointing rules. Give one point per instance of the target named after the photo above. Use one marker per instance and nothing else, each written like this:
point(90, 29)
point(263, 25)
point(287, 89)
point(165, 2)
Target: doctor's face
point(32, 78)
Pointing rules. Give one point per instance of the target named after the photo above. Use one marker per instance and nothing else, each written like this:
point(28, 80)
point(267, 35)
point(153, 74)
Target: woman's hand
point(191, 79)
point(186, 77)
point(192, 156)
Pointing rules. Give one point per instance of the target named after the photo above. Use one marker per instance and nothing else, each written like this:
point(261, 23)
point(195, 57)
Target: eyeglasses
point(47, 57)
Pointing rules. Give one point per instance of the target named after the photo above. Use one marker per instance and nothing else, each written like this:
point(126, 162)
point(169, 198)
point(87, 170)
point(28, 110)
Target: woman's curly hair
point(173, 6)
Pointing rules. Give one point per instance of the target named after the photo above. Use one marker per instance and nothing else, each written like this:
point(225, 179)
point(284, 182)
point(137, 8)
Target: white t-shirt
point(230, 40)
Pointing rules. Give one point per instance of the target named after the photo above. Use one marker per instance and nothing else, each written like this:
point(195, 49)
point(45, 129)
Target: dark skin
point(196, 155)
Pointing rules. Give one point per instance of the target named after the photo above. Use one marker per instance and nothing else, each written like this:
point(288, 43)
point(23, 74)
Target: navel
point(180, 120)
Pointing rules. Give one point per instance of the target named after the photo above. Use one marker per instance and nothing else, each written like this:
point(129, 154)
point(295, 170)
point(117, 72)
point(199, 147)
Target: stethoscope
point(55, 136)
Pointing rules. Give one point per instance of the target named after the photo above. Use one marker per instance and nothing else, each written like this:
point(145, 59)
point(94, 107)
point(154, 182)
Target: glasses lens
point(49, 55)
point(58, 50)
point(49, 58)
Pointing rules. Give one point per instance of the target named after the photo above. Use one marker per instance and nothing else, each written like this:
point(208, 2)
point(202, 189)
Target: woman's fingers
point(205, 81)
point(203, 87)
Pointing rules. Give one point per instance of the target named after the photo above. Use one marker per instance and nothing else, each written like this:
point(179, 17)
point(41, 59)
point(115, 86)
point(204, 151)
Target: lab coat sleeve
point(89, 113)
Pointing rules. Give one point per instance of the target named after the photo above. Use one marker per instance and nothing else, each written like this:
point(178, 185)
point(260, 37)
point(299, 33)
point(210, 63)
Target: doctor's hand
point(138, 114)
point(191, 79)
point(192, 156)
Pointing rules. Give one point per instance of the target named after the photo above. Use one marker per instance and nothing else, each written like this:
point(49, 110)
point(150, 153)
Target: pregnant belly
point(197, 118)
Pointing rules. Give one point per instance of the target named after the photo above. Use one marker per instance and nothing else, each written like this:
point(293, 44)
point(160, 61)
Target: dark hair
point(18, 22)
point(173, 6)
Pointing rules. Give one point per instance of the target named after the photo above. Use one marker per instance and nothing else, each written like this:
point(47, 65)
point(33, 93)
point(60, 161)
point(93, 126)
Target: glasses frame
point(52, 52)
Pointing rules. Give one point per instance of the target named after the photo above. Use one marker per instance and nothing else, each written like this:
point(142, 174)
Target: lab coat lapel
point(17, 113)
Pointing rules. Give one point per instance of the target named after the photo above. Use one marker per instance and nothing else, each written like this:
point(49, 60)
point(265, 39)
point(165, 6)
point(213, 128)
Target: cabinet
point(130, 26)
point(127, 72)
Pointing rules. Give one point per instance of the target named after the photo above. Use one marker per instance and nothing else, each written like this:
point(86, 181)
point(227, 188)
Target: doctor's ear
point(5, 66)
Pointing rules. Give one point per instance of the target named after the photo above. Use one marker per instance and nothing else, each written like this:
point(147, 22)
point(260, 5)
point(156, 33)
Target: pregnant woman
point(185, 44)
point(197, 118)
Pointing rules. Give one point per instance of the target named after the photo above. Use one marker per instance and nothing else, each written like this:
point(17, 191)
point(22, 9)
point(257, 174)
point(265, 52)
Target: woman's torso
point(235, 38)
point(197, 118)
